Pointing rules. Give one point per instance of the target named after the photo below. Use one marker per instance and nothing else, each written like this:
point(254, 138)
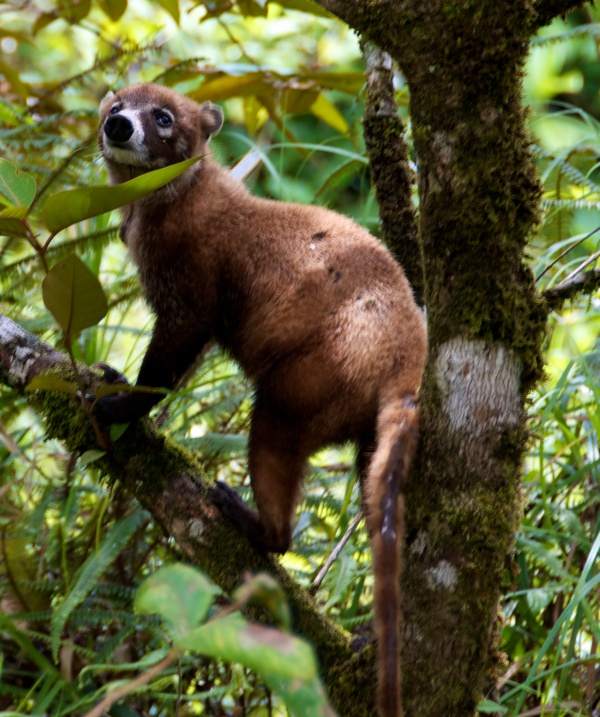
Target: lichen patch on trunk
point(480, 386)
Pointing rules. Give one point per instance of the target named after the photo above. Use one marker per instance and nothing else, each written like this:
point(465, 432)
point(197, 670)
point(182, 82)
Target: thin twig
point(335, 552)
point(565, 252)
point(114, 696)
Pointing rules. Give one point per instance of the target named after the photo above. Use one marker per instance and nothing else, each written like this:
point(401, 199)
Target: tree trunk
point(479, 198)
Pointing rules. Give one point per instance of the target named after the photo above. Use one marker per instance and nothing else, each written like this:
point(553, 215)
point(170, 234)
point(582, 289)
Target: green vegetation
point(74, 551)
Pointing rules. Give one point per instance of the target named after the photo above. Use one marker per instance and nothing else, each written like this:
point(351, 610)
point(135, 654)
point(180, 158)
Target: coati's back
point(312, 306)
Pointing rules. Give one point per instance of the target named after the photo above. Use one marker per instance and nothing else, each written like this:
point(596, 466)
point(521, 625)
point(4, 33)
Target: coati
point(313, 308)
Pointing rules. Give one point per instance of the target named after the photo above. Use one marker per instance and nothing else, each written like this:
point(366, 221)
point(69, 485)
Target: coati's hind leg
point(397, 433)
point(277, 463)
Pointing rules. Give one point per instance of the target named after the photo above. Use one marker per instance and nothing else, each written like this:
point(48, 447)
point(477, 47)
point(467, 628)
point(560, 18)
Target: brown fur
point(313, 308)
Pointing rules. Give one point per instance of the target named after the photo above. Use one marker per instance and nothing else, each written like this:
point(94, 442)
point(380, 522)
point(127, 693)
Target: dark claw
point(109, 374)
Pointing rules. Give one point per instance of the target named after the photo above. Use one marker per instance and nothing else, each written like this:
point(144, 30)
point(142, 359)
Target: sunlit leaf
point(226, 86)
point(298, 101)
point(90, 456)
point(51, 383)
point(73, 295)
point(286, 663)
point(72, 206)
point(115, 9)
point(16, 186)
point(11, 223)
point(172, 7)
point(305, 6)
point(329, 113)
point(181, 595)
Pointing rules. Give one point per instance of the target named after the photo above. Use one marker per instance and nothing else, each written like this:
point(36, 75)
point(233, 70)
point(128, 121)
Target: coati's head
point(147, 126)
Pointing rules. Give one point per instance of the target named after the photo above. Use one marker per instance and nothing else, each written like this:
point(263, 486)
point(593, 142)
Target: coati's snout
point(118, 128)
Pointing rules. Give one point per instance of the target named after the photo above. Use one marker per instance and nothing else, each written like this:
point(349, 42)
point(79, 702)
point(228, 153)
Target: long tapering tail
point(397, 434)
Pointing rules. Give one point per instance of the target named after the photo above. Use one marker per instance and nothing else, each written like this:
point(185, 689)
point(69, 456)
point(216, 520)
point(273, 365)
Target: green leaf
point(490, 707)
point(91, 571)
point(262, 589)
point(329, 113)
point(286, 663)
point(90, 457)
point(181, 595)
point(226, 86)
point(115, 9)
point(74, 205)
point(17, 186)
point(172, 7)
point(305, 6)
point(11, 221)
point(73, 295)
point(117, 430)
point(51, 383)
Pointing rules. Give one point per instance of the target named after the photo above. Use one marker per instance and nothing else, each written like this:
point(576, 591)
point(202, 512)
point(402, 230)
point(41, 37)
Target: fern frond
point(92, 570)
point(590, 30)
point(58, 251)
point(570, 204)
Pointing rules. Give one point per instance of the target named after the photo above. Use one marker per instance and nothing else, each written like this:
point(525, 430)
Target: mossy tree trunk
point(479, 197)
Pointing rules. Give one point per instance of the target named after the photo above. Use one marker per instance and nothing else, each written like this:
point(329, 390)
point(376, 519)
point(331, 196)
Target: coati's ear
point(212, 118)
point(107, 100)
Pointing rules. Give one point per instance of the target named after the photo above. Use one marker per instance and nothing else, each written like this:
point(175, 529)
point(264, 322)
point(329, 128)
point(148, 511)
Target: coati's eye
point(163, 119)
point(114, 110)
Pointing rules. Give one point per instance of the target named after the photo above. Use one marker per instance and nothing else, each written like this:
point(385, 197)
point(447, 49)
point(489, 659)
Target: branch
point(169, 482)
point(585, 283)
point(390, 170)
point(547, 10)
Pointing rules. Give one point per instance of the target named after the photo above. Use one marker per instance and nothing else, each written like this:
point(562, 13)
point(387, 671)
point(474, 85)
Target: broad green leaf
point(286, 663)
point(255, 115)
point(11, 223)
point(117, 430)
point(305, 6)
point(329, 113)
point(51, 383)
point(172, 7)
point(17, 186)
point(74, 205)
point(90, 457)
point(490, 707)
point(92, 570)
point(350, 82)
point(261, 648)
point(262, 589)
point(181, 595)
point(113, 8)
point(298, 101)
point(226, 86)
point(252, 8)
point(73, 295)
point(75, 12)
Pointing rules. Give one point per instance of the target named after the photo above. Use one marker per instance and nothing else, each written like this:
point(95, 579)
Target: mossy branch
point(390, 170)
point(170, 483)
point(585, 283)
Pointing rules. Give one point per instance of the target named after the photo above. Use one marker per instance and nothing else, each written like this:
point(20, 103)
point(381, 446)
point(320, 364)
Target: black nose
point(118, 128)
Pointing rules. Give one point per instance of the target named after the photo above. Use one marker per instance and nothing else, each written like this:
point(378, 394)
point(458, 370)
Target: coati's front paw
point(109, 410)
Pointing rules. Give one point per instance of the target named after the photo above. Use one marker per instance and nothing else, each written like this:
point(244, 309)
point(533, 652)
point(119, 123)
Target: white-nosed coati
point(314, 309)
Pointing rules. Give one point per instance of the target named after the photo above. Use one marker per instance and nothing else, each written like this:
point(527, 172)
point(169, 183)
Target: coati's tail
point(397, 433)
